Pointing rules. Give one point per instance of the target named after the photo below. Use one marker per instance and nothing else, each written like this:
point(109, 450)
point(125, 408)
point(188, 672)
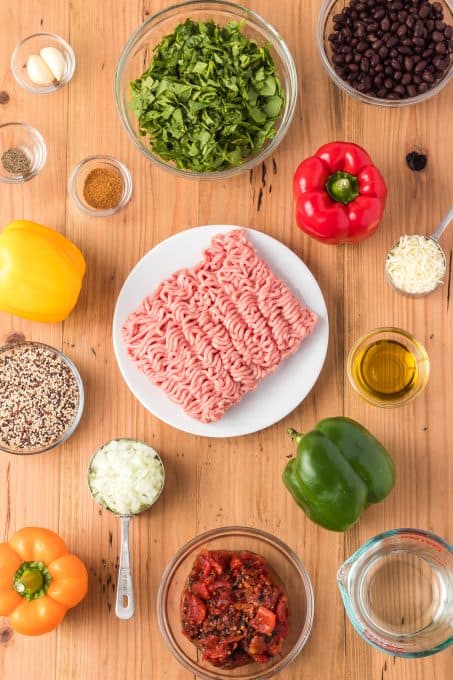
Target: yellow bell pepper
point(41, 272)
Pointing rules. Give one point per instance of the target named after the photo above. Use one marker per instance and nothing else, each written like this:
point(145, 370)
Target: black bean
point(421, 66)
point(423, 12)
point(441, 48)
point(391, 48)
point(428, 77)
point(379, 14)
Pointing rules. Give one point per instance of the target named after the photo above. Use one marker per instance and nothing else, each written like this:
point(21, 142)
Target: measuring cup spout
point(443, 225)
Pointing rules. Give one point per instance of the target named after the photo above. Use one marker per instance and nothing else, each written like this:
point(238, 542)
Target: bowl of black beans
point(387, 52)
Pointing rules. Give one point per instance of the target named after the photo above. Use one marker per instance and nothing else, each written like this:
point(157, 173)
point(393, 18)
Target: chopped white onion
point(126, 476)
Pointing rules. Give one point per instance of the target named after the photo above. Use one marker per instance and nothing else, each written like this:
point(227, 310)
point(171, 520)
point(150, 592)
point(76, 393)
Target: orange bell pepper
point(39, 580)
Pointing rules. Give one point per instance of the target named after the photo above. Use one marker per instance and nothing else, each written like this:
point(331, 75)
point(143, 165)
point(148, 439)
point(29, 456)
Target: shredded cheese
point(416, 264)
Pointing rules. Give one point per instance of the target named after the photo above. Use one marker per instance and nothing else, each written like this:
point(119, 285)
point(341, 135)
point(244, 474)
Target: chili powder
point(103, 188)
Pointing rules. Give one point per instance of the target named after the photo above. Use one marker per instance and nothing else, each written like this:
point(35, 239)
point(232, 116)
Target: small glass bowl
point(406, 293)
point(30, 141)
point(401, 337)
point(32, 45)
point(79, 174)
point(287, 569)
point(325, 27)
point(11, 348)
point(137, 52)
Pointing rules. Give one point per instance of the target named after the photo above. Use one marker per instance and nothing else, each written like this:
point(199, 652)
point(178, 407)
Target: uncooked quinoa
point(39, 397)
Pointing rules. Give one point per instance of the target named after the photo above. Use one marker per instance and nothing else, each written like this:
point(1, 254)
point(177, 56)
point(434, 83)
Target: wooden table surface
point(212, 483)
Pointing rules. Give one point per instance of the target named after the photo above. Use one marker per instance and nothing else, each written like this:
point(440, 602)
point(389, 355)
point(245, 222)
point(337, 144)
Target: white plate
point(277, 394)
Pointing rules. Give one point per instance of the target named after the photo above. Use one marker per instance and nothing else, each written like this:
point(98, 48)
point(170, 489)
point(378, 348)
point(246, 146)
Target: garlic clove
point(55, 61)
point(38, 71)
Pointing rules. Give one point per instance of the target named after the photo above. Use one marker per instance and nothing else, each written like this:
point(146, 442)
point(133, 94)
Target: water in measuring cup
point(403, 593)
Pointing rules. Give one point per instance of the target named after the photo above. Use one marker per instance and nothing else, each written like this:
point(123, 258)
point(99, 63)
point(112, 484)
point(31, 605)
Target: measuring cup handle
point(443, 225)
point(125, 605)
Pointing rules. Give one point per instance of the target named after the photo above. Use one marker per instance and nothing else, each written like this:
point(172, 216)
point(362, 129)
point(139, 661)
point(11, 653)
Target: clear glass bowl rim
point(42, 143)
point(291, 95)
point(43, 89)
point(370, 543)
point(324, 14)
point(377, 332)
point(197, 542)
point(70, 431)
point(101, 158)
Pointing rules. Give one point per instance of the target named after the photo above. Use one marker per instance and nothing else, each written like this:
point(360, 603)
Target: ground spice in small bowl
point(39, 398)
point(103, 188)
point(16, 161)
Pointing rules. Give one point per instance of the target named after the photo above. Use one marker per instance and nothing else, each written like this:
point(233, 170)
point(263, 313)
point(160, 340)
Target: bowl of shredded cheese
point(415, 265)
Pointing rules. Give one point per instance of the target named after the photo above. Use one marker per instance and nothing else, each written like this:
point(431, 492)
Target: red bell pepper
point(340, 195)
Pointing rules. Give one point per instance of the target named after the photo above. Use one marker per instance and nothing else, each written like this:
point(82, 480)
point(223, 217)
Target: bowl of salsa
point(235, 602)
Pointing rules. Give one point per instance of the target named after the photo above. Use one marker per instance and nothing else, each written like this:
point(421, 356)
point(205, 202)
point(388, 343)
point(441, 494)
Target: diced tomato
point(232, 609)
point(194, 609)
point(282, 609)
point(222, 581)
point(257, 645)
point(264, 621)
point(236, 562)
point(200, 589)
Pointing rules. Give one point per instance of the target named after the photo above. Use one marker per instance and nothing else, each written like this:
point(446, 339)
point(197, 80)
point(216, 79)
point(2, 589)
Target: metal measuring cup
point(435, 236)
point(125, 602)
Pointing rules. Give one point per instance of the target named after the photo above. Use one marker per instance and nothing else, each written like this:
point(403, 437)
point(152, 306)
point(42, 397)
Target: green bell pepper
point(339, 470)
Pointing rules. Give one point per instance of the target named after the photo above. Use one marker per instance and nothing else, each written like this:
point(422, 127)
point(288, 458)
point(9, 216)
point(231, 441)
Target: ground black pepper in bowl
point(41, 398)
point(390, 49)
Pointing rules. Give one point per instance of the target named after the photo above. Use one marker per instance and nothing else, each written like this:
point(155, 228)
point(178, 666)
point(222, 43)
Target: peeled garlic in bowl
point(54, 60)
point(38, 71)
point(47, 67)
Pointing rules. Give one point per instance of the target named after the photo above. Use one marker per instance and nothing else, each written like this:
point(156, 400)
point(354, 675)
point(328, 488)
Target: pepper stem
point(342, 187)
point(31, 580)
point(294, 434)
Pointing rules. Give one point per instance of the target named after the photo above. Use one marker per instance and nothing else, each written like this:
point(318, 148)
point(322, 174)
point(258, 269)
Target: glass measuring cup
point(125, 602)
point(397, 590)
point(434, 238)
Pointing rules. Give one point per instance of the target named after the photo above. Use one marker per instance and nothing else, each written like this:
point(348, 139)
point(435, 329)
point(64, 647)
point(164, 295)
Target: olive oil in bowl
point(388, 367)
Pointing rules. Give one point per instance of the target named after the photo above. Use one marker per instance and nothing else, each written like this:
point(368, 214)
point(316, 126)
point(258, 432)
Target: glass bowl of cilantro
point(206, 89)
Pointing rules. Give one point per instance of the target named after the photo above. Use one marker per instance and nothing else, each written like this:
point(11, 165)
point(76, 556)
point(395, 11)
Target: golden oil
point(386, 371)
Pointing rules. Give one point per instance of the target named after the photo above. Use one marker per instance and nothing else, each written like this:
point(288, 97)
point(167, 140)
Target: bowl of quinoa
point(41, 398)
